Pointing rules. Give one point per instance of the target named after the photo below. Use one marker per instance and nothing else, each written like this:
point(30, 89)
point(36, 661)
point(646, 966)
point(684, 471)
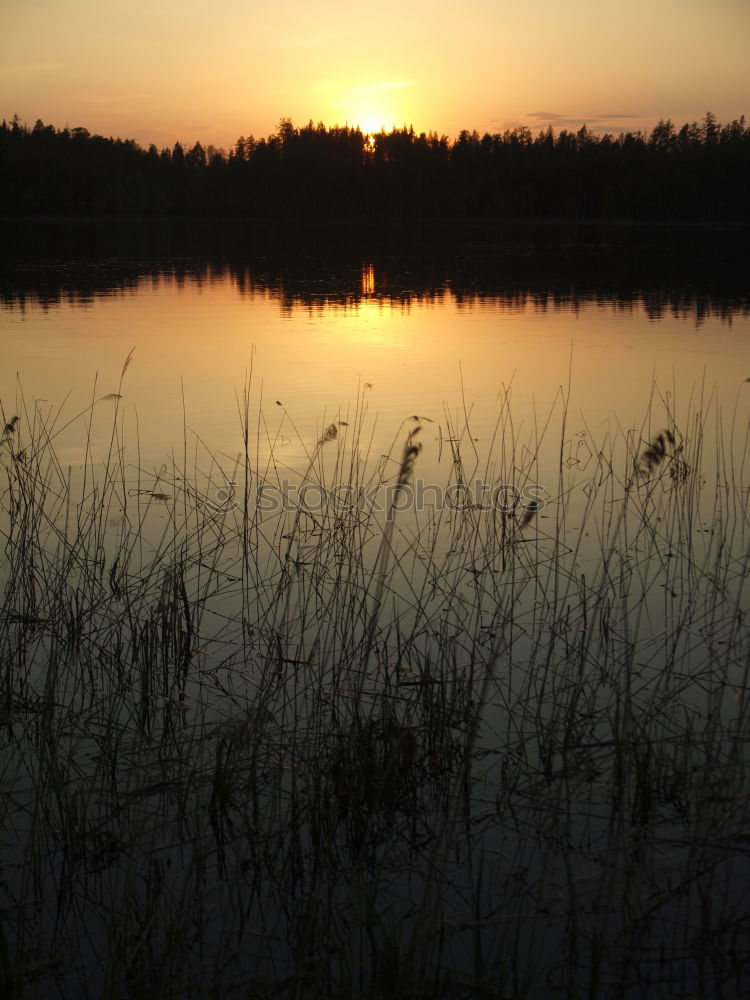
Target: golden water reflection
point(443, 353)
point(368, 280)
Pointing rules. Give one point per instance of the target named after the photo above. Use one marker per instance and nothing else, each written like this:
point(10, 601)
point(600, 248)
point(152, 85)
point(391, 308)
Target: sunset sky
point(162, 70)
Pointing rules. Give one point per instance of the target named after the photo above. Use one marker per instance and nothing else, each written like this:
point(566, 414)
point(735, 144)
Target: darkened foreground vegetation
point(465, 753)
point(696, 172)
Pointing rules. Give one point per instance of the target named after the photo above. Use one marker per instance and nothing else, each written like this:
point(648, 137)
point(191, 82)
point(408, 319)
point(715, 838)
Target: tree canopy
point(698, 171)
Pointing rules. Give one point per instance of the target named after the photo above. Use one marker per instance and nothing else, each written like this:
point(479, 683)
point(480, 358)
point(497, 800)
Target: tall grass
point(476, 752)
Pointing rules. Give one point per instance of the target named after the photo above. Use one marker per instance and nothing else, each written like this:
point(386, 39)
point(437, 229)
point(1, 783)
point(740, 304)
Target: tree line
point(698, 171)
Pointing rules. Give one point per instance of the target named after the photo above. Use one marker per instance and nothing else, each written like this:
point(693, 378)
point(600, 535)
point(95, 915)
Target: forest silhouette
point(697, 172)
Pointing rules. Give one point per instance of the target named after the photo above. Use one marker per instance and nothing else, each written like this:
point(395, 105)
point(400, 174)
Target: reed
point(459, 752)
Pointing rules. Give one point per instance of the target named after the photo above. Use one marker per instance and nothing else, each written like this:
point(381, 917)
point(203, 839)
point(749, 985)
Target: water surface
point(451, 739)
point(416, 334)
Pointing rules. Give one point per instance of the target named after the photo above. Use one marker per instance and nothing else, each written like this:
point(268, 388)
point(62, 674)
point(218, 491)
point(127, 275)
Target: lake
point(430, 331)
point(375, 610)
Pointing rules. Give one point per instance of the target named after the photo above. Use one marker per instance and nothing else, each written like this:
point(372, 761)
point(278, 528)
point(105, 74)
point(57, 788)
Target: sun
point(376, 106)
point(371, 123)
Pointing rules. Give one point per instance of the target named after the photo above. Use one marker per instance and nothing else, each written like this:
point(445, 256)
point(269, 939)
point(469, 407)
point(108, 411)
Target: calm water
point(315, 336)
point(541, 359)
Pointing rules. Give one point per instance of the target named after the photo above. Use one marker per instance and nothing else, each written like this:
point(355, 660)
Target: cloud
point(371, 89)
point(117, 98)
point(311, 39)
point(599, 123)
point(30, 69)
point(591, 120)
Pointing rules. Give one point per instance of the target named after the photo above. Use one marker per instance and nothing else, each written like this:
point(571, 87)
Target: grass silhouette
point(469, 752)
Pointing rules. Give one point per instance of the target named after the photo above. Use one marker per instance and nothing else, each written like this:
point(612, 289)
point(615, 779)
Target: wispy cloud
point(32, 68)
point(544, 115)
point(371, 89)
point(117, 99)
point(592, 120)
point(311, 39)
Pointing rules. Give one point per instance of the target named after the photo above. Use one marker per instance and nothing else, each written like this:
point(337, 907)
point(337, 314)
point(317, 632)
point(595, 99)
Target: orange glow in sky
point(168, 70)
